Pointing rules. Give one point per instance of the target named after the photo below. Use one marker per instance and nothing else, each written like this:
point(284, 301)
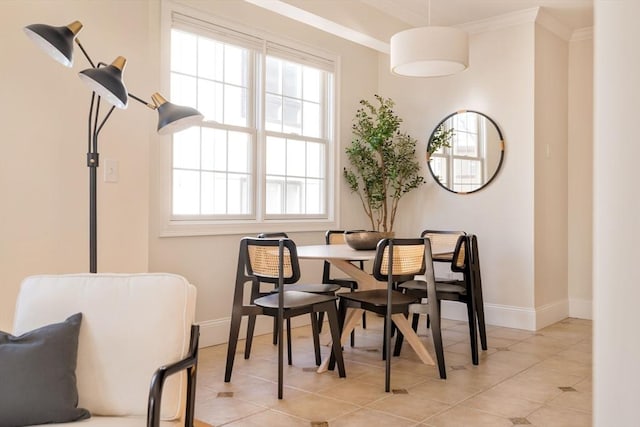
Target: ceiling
point(373, 22)
point(572, 13)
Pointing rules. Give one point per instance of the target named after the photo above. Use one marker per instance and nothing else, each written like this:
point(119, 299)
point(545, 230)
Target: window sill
point(221, 228)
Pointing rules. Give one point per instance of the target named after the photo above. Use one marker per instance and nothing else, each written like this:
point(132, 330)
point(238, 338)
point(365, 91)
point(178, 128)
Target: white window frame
point(195, 226)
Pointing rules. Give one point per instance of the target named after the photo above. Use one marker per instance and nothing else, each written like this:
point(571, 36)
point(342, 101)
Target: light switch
point(110, 170)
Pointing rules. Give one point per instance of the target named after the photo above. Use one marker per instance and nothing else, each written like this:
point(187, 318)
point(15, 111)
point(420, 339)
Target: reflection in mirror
point(465, 151)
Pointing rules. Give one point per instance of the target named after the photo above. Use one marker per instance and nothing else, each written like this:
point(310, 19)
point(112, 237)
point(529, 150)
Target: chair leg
point(400, 338)
point(279, 323)
point(289, 357)
point(275, 331)
point(384, 338)
point(473, 334)
point(436, 334)
point(480, 314)
point(335, 328)
point(251, 326)
point(234, 331)
point(320, 321)
point(316, 337)
point(414, 321)
point(342, 314)
point(387, 351)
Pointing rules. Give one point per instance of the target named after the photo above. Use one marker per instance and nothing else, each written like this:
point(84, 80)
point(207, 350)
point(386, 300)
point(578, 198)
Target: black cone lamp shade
point(107, 82)
point(56, 41)
point(174, 118)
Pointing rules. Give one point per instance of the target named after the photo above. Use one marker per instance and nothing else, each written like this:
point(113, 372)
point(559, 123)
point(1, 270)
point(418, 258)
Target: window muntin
point(217, 168)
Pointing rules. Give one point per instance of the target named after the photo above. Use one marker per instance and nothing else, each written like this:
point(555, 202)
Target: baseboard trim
point(214, 332)
point(511, 316)
point(581, 308)
point(551, 313)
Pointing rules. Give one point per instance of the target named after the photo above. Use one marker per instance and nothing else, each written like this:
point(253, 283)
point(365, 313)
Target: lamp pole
point(93, 162)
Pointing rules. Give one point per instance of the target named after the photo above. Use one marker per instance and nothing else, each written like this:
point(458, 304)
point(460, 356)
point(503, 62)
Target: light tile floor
point(538, 378)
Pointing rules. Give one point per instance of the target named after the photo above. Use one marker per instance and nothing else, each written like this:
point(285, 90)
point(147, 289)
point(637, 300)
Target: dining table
point(341, 257)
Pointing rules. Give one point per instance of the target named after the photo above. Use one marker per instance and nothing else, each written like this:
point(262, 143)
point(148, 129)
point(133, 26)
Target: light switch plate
point(111, 172)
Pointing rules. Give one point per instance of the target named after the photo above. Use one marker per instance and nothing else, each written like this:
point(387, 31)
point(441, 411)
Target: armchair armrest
point(190, 363)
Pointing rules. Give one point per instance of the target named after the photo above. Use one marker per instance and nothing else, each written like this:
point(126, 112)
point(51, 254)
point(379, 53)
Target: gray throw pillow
point(38, 375)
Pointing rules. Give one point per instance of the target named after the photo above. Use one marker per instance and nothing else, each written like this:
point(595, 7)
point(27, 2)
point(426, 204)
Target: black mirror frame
point(499, 162)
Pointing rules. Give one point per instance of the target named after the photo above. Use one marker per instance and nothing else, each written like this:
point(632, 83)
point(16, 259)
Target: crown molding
point(536, 15)
point(547, 21)
point(501, 21)
point(581, 34)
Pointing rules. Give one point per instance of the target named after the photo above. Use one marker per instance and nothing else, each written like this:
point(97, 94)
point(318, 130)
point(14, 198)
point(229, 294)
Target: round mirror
point(465, 151)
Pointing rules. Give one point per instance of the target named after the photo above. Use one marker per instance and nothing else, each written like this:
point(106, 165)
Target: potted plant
point(383, 162)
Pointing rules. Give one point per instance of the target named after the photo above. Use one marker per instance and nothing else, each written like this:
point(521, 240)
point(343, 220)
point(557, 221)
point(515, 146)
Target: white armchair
point(137, 331)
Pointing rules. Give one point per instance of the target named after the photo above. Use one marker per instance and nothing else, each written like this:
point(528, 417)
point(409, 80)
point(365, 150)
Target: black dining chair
point(395, 261)
point(276, 261)
point(316, 321)
point(467, 290)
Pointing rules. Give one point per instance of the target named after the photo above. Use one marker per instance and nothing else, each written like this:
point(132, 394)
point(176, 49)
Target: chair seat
point(293, 299)
point(378, 298)
point(413, 284)
point(451, 287)
point(314, 288)
point(448, 287)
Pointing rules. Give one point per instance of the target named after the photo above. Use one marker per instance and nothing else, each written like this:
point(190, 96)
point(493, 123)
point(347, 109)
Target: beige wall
point(550, 158)
point(43, 173)
point(580, 200)
point(44, 177)
point(210, 261)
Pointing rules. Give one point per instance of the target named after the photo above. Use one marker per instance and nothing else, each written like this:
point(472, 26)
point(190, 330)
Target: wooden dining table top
point(346, 252)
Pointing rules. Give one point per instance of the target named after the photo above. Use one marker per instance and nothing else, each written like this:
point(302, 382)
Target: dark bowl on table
point(364, 240)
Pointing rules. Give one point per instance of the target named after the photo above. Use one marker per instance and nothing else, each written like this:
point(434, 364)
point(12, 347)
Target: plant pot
point(365, 240)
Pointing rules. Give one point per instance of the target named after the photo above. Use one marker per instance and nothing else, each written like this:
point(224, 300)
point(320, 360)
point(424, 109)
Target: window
point(263, 152)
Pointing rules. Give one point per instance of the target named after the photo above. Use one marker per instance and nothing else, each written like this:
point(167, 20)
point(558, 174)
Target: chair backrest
point(273, 235)
point(474, 261)
point(266, 258)
point(399, 259)
point(445, 241)
point(334, 237)
point(460, 263)
point(131, 325)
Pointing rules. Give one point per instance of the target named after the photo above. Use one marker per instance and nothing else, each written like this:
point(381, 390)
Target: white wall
point(616, 375)
point(500, 83)
point(580, 153)
point(43, 173)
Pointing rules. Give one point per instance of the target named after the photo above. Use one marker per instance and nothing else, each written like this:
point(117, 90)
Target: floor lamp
point(106, 83)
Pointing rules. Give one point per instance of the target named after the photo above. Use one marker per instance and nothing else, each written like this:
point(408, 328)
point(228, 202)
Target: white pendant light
point(429, 51)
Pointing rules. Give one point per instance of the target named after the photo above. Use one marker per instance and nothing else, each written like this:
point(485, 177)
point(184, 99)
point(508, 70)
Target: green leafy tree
point(383, 161)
